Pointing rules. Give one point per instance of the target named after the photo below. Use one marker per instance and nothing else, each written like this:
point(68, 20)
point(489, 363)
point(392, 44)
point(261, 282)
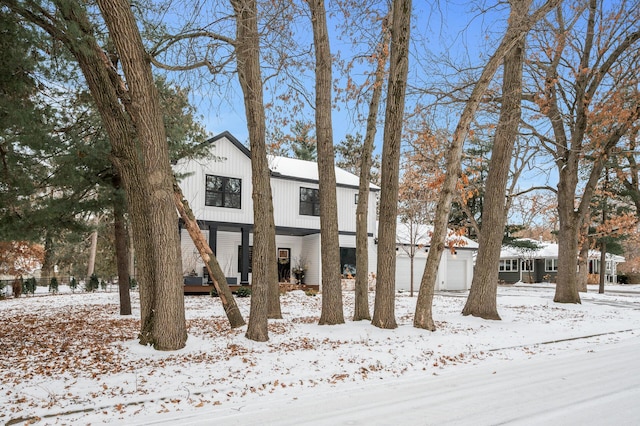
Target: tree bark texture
point(361, 300)
point(482, 300)
point(571, 139)
point(211, 262)
point(264, 286)
point(423, 316)
point(106, 89)
point(168, 327)
point(122, 248)
point(72, 27)
point(332, 309)
point(384, 304)
point(583, 258)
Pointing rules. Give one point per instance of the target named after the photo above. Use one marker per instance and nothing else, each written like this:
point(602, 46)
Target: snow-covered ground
point(71, 359)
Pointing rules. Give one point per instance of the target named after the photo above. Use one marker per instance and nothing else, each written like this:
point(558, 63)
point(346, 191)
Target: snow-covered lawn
point(71, 358)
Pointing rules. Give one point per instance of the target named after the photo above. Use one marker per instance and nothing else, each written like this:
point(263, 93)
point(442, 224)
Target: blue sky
point(451, 28)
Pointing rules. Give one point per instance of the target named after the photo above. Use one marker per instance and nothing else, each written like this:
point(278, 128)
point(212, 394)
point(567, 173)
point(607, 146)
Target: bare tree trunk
point(583, 259)
point(121, 246)
point(603, 266)
point(167, 328)
point(92, 252)
point(384, 305)
point(482, 300)
point(211, 263)
point(361, 302)
point(332, 310)
point(106, 89)
point(264, 286)
point(423, 317)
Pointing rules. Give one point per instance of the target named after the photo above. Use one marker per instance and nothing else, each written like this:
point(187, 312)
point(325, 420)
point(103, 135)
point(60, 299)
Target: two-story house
point(219, 191)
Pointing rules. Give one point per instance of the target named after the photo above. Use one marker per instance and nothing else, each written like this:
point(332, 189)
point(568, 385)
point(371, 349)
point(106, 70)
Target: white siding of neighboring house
point(454, 272)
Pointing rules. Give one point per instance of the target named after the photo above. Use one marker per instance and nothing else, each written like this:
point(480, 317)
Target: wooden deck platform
point(195, 289)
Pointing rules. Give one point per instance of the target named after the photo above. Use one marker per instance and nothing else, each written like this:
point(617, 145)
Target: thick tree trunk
point(265, 294)
point(361, 301)
point(332, 309)
point(166, 324)
point(211, 263)
point(568, 238)
point(482, 300)
point(424, 317)
point(110, 95)
point(121, 246)
point(384, 304)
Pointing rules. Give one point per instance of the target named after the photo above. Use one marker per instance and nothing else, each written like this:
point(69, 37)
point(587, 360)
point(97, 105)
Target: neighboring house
point(455, 271)
point(541, 265)
point(219, 191)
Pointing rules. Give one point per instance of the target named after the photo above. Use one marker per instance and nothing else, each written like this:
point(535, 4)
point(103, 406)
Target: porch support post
point(213, 239)
point(244, 274)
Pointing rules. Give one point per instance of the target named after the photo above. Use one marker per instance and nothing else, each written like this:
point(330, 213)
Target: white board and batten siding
point(230, 159)
point(229, 162)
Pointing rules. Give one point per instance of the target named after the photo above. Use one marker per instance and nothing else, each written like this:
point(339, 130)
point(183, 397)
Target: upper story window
point(309, 202)
point(222, 191)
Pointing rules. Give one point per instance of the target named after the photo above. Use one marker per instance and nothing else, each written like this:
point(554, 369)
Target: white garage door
point(456, 275)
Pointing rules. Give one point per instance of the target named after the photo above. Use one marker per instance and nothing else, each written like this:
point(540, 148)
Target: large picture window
point(309, 202)
point(223, 191)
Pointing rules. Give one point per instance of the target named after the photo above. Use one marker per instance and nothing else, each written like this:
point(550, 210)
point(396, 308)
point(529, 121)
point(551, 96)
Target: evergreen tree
point(349, 158)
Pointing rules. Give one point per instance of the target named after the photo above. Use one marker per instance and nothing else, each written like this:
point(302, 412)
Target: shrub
point(30, 286)
point(213, 292)
point(311, 292)
point(243, 292)
point(103, 285)
point(53, 285)
point(73, 284)
point(132, 283)
point(92, 284)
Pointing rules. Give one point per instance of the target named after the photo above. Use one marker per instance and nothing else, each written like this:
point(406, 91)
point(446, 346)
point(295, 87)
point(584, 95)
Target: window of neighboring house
point(356, 199)
point(309, 202)
point(551, 265)
point(527, 265)
point(240, 258)
point(508, 265)
point(222, 191)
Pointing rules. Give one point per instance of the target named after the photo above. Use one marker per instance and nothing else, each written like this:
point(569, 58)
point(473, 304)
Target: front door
point(284, 265)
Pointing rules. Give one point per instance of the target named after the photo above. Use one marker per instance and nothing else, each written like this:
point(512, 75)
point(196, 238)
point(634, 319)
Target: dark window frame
point(309, 201)
point(228, 193)
point(249, 269)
